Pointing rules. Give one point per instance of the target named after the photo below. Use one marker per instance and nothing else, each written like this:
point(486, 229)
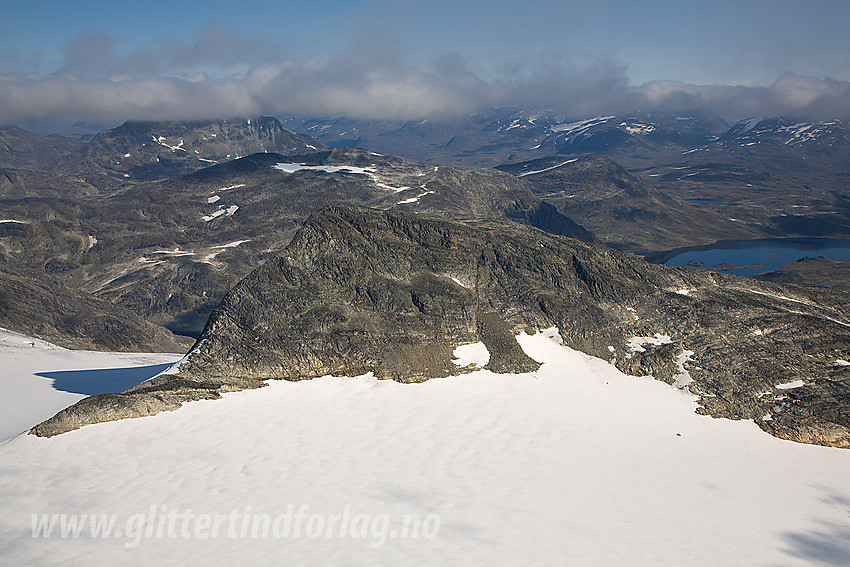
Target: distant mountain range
point(170, 249)
point(141, 215)
point(787, 175)
point(512, 135)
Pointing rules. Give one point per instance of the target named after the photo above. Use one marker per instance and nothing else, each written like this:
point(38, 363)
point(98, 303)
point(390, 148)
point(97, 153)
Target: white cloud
point(371, 80)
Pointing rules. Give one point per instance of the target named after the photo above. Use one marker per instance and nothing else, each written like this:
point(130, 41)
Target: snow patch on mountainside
point(475, 355)
point(547, 168)
point(579, 126)
point(369, 171)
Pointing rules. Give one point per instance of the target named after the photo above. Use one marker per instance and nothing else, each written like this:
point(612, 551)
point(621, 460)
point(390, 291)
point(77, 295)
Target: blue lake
point(772, 253)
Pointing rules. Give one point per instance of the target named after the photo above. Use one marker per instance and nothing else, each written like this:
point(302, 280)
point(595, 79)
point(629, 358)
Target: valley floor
point(575, 464)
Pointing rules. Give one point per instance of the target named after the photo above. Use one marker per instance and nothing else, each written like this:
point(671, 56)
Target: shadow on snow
point(829, 542)
point(102, 381)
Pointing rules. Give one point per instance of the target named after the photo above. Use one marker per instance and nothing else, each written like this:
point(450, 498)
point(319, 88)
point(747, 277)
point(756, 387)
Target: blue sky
point(417, 58)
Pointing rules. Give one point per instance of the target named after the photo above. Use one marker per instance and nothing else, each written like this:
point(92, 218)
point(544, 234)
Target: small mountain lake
point(752, 257)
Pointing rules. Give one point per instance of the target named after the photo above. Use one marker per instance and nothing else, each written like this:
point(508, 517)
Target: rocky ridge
point(146, 151)
point(360, 290)
point(170, 249)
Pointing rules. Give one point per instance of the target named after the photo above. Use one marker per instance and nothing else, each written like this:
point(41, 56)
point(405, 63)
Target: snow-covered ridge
point(547, 168)
point(805, 132)
point(293, 167)
point(579, 126)
point(745, 126)
point(369, 171)
point(789, 133)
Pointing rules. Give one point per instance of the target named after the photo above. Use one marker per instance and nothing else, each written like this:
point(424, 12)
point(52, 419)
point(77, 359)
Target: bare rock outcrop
point(361, 290)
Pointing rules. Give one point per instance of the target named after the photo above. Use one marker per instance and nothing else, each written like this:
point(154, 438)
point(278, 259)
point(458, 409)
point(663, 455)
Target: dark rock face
point(360, 290)
point(43, 307)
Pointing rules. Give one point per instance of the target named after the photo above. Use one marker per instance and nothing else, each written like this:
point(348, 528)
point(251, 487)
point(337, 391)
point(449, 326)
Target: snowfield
point(575, 464)
point(38, 379)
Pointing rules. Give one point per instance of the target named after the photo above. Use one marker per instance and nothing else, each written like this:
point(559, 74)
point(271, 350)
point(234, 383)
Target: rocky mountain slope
point(145, 151)
point(214, 226)
point(58, 222)
point(622, 210)
point(26, 150)
point(169, 250)
point(360, 290)
point(52, 311)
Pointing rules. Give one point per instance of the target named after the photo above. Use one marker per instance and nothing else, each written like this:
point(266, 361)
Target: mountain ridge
point(360, 290)
point(147, 151)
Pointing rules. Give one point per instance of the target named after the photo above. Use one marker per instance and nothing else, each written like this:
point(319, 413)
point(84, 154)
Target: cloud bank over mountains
point(370, 80)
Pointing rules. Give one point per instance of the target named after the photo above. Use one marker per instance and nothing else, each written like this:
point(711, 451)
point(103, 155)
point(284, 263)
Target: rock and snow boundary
point(573, 464)
point(360, 290)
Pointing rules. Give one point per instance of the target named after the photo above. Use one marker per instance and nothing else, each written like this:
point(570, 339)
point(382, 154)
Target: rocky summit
point(361, 290)
point(146, 151)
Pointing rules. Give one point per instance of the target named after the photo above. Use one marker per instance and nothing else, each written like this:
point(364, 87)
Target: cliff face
point(360, 290)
